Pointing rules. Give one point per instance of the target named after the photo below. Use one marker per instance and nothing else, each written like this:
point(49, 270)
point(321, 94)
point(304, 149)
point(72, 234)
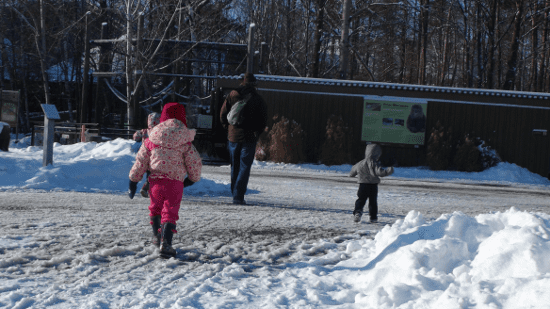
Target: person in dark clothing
point(4, 136)
point(369, 172)
point(242, 138)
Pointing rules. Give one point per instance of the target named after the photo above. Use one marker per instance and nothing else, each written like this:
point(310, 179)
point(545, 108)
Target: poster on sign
point(394, 120)
point(9, 104)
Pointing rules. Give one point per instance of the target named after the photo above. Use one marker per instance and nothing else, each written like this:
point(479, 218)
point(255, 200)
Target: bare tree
point(318, 36)
point(513, 59)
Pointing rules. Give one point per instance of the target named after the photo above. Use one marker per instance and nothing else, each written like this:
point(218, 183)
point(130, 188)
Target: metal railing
point(70, 133)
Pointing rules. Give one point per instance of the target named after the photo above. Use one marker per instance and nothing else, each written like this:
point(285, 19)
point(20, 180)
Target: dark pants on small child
point(367, 191)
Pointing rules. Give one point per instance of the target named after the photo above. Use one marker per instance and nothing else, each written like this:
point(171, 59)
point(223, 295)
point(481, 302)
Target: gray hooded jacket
point(369, 169)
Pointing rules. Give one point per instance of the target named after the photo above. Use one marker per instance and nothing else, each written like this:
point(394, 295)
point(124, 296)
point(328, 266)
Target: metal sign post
point(50, 115)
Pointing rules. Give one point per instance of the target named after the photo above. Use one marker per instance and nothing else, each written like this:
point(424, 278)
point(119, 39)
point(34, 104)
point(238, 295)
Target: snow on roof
point(365, 84)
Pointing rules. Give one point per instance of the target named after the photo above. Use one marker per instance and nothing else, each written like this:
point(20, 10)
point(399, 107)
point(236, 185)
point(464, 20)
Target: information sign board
point(9, 107)
point(394, 120)
point(50, 111)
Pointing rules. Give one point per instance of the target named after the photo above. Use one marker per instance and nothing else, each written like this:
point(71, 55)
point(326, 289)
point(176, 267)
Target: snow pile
point(82, 167)
point(491, 261)
point(504, 173)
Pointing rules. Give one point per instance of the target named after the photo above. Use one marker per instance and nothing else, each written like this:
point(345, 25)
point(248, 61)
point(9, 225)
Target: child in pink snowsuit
point(152, 120)
point(170, 156)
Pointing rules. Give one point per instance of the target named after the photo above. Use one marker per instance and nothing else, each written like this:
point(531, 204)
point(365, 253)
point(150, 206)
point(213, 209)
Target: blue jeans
point(241, 156)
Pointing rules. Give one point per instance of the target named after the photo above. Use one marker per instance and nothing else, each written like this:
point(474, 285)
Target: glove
point(187, 183)
point(132, 190)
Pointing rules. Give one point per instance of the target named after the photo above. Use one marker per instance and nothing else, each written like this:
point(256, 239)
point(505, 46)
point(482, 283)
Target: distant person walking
point(242, 137)
point(369, 172)
point(171, 157)
point(152, 120)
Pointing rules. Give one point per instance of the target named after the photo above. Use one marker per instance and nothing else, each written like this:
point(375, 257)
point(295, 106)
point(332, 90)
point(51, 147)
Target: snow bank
point(495, 260)
point(82, 167)
point(491, 261)
point(504, 173)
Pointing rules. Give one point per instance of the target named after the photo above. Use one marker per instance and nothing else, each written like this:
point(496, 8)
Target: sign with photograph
point(9, 106)
point(394, 120)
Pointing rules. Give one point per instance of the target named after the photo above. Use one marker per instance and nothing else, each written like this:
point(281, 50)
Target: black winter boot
point(167, 232)
point(155, 223)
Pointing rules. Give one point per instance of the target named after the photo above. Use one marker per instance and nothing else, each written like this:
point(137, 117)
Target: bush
point(262, 148)
point(336, 149)
point(440, 148)
point(284, 142)
point(489, 156)
point(468, 156)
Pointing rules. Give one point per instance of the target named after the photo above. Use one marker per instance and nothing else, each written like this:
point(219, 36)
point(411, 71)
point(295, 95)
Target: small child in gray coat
point(369, 172)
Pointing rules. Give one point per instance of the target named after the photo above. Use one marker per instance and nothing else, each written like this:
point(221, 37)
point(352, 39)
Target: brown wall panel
point(505, 120)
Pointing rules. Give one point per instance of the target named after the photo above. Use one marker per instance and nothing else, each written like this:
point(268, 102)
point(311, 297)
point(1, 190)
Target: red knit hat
point(173, 111)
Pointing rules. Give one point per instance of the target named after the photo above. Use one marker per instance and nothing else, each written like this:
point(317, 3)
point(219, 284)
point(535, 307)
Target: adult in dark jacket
point(4, 136)
point(369, 172)
point(242, 138)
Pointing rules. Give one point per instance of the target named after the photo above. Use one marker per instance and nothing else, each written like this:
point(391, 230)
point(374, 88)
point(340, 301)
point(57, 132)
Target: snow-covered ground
point(70, 237)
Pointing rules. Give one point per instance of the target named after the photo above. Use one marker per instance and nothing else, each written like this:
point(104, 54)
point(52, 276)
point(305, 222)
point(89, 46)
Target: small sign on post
point(50, 115)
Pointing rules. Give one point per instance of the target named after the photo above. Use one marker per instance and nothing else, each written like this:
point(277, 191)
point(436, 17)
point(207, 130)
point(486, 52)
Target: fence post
point(82, 133)
point(32, 135)
point(251, 52)
point(50, 115)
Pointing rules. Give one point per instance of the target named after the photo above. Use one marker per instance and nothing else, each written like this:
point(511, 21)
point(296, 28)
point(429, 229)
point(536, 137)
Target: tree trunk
point(514, 53)
point(344, 40)
point(492, 44)
point(288, 36)
point(67, 86)
point(42, 53)
point(445, 61)
point(424, 21)
point(479, 43)
point(129, 66)
point(544, 81)
point(306, 53)
point(317, 37)
point(84, 113)
point(535, 54)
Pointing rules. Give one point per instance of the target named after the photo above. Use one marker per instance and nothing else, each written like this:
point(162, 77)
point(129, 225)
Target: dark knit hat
point(248, 78)
point(173, 111)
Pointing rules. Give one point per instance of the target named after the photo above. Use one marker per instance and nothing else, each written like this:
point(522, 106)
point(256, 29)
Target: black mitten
point(132, 190)
point(187, 183)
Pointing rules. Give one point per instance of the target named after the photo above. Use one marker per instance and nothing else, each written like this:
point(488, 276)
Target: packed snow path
point(296, 208)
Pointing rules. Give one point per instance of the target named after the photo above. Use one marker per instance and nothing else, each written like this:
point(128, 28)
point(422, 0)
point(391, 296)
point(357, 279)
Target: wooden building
point(514, 123)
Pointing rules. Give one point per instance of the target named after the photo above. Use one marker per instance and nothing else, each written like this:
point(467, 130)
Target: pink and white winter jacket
point(168, 153)
point(152, 120)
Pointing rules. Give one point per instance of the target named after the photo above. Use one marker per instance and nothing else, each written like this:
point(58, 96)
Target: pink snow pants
point(166, 197)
